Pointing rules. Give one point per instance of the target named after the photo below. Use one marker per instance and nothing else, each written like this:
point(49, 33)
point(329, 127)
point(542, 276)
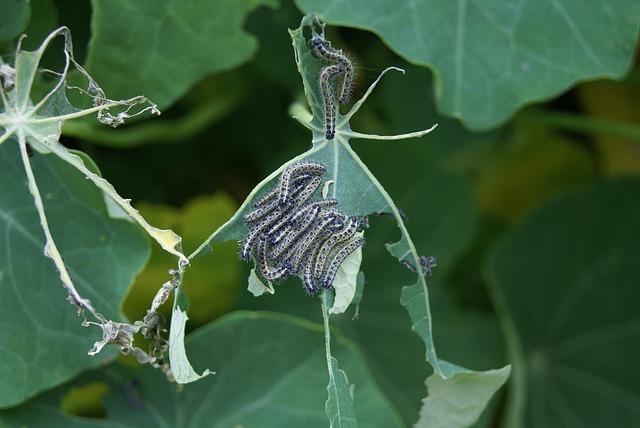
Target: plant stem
point(583, 123)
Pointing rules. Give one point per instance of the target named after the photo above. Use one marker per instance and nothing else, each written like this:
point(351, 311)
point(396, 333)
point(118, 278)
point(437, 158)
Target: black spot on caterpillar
point(337, 260)
point(343, 235)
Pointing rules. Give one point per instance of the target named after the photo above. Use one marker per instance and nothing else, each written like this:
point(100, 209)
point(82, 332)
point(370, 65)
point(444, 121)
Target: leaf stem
point(8, 133)
point(518, 386)
point(324, 298)
point(51, 249)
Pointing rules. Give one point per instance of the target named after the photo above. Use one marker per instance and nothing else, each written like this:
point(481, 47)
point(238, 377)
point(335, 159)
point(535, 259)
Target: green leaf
point(488, 58)
point(358, 191)
point(566, 283)
point(471, 390)
point(162, 49)
point(41, 341)
point(270, 374)
point(14, 18)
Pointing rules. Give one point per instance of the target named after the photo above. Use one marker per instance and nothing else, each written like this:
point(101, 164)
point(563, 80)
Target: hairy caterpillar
point(304, 167)
point(337, 260)
point(261, 211)
point(345, 66)
point(254, 233)
point(308, 190)
point(323, 253)
point(322, 49)
point(273, 193)
point(325, 203)
point(271, 274)
point(298, 252)
point(290, 238)
point(328, 99)
point(298, 236)
point(307, 274)
point(426, 264)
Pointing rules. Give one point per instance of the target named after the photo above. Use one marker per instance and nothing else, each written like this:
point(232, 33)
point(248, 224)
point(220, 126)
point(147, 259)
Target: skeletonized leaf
point(42, 342)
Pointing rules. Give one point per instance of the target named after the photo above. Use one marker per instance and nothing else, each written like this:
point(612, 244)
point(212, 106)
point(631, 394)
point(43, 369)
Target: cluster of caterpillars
point(290, 233)
point(339, 65)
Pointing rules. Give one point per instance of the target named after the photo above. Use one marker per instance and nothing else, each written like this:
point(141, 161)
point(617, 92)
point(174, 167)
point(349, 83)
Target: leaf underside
point(566, 281)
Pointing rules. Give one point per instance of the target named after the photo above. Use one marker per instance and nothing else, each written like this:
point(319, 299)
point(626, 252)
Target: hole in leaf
point(85, 401)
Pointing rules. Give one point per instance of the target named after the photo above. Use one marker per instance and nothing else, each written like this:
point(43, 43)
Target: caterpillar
point(261, 211)
point(337, 260)
point(279, 225)
point(291, 234)
point(273, 193)
point(328, 99)
point(298, 252)
point(325, 203)
point(304, 167)
point(321, 48)
point(271, 274)
point(338, 221)
point(307, 191)
point(254, 233)
point(426, 264)
point(323, 253)
point(290, 238)
point(307, 274)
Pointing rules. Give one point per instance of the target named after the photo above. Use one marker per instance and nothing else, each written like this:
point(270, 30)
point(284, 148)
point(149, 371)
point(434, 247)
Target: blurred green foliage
point(538, 189)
